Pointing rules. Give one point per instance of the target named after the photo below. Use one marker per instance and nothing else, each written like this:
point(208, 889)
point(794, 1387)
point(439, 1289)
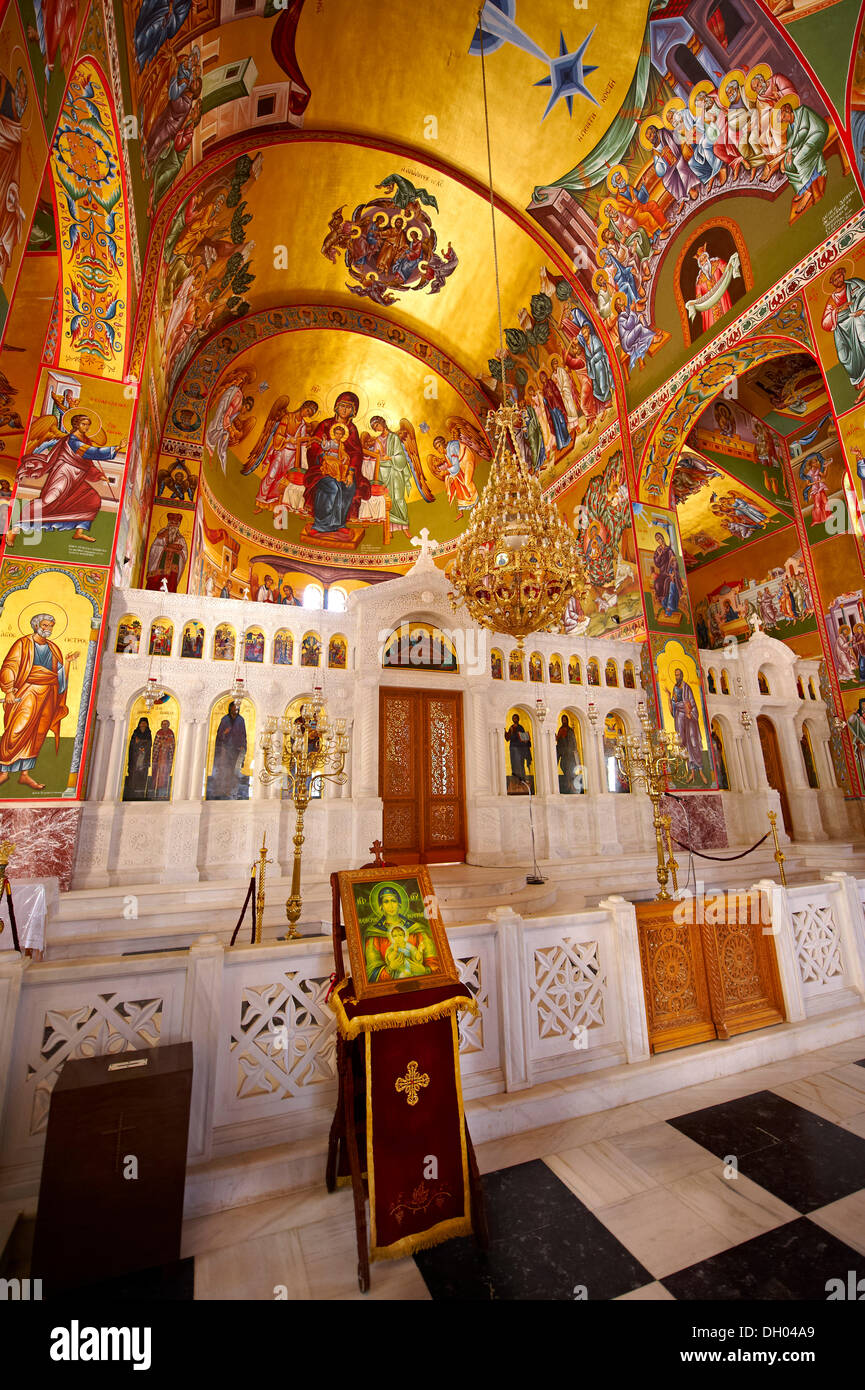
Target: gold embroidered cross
point(412, 1082)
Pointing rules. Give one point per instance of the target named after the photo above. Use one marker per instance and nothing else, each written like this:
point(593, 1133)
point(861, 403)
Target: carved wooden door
point(421, 776)
point(774, 767)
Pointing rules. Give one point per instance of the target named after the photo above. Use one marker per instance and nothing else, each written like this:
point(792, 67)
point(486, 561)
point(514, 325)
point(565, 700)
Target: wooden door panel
point(678, 1009)
point(421, 777)
point(399, 776)
point(443, 800)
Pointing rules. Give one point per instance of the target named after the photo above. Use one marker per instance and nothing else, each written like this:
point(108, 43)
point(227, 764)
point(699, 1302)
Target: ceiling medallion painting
point(390, 244)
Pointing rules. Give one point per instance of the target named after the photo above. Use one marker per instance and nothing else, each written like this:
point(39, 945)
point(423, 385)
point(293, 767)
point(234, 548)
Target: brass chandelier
point(517, 563)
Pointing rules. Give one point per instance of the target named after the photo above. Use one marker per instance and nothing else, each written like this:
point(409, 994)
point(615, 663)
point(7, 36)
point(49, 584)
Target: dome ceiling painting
point(657, 168)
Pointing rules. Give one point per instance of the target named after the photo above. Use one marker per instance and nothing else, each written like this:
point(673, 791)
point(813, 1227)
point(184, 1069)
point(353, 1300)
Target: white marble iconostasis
point(189, 838)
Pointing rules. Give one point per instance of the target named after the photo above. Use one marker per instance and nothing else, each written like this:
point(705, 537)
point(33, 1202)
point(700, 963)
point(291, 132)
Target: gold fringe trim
point(375, 1023)
point(424, 1240)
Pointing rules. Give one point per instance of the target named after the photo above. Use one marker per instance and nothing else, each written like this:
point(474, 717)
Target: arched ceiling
point(331, 154)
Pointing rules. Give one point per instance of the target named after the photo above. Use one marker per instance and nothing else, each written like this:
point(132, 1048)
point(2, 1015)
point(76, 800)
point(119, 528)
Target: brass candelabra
point(308, 751)
point(649, 758)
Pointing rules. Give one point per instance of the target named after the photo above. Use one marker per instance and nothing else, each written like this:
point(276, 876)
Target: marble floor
point(747, 1187)
point(751, 1186)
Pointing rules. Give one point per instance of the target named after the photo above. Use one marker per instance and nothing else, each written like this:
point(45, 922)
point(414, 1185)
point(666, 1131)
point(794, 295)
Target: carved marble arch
point(719, 748)
point(807, 745)
point(556, 670)
point(575, 670)
point(725, 683)
point(519, 755)
point(497, 664)
point(615, 727)
point(812, 693)
point(800, 689)
point(161, 637)
point(150, 750)
point(128, 641)
point(763, 683)
point(711, 681)
point(572, 775)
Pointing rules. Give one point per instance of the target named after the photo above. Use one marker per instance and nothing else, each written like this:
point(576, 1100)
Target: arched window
point(725, 683)
point(337, 599)
point(800, 689)
point(313, 596)
point(617, 780)
point(151, 748)
point(611, 673)
point(720, 756)
point(283, 647)
point(224, 640)
point(310, 649)
point(763, 684)
point(569, 755)
point(519, 752)
point(808, 758)
point(253, 644)
point(497, 665)
point(711, 682)
point(536, 668)
point(161, 637)
point(556, 670)
point(128, 635)
point(628, 677)
point(593, 672)
point(192, 640)
point(575, 670)
point(230, 750)
point(811, 691)
point(337, 652)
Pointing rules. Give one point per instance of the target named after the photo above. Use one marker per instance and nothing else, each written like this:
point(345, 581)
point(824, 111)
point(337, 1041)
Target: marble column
point(112, 788)
point(185, 737)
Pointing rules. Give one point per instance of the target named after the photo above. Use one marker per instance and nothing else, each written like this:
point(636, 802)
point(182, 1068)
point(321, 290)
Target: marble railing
point(558, 996)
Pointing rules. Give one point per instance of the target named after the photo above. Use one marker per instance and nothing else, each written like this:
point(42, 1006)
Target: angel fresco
point(390, 244)
point(280, 450)
point(455, 461)
point(397, 466)
point(67, 457)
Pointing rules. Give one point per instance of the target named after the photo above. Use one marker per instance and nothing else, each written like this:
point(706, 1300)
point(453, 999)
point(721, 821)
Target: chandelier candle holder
point(649, 758)
point(517, 563)
point(308, 751)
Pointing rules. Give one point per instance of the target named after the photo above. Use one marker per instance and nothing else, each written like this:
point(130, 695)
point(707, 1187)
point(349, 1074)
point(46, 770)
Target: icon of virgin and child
point(396, 945)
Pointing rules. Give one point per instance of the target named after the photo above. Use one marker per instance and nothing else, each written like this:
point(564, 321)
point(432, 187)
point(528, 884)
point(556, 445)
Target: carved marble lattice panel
point(398, 761)
point(285, 1039)
point(104, 1025)
point(471, 1029)
point(568, 991)
point(442, 741)
point(818, 944)
point(443, 823)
